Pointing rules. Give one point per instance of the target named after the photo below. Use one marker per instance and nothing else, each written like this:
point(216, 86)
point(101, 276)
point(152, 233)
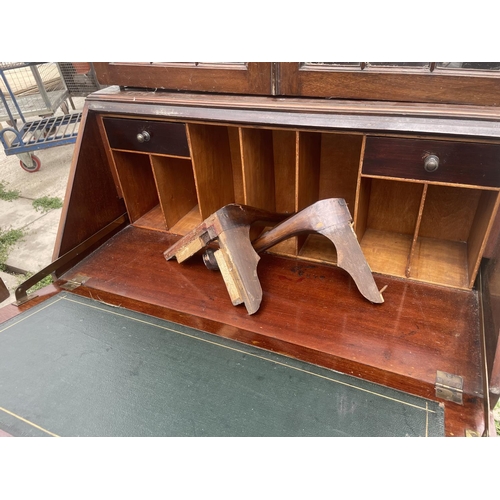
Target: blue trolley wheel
point(34, 167)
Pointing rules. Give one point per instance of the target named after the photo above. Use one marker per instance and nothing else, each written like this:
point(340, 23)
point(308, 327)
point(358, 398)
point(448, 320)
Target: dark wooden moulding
point(310, 311)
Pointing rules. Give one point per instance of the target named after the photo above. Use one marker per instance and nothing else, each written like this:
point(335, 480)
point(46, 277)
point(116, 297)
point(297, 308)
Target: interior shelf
point(386, 252)
point(409, 229)
point(152, 220)
point(441, 262)
point(137, 183)
point(188, 222)
point(175, 186)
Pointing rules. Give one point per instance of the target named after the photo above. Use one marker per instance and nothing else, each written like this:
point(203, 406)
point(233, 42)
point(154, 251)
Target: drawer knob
point(431, 163)
point(143, 136)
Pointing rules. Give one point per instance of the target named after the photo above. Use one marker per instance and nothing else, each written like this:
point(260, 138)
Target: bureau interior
point(425, 231)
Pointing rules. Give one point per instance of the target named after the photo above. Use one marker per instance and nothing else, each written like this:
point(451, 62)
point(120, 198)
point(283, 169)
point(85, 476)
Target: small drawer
point(147, 136)
point(433, 161)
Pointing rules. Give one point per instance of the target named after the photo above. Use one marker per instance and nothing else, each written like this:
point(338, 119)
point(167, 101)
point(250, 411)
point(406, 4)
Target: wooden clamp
point(235, 258)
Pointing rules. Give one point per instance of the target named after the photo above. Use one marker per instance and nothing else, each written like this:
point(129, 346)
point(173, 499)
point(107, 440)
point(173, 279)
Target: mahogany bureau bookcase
point(415, 153)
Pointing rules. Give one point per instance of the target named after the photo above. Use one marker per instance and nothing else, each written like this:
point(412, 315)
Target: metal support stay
point(21, 292)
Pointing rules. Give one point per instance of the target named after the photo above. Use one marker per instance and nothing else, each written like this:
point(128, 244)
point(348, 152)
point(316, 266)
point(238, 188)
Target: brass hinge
point(471, 433)
point(77, 281)
point(449, 387)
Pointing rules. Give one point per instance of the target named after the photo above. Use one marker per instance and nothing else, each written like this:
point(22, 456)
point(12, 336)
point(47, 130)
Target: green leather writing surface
point(77, 367)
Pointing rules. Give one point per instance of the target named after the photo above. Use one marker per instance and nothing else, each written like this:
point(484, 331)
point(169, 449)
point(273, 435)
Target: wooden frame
point(479, 88)
point(241, 78)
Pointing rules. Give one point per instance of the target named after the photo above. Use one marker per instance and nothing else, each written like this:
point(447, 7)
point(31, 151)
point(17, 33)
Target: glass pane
point(206, 63)
point(400, 64)
point(194, 64)
point(483, 66)
point(336, 64)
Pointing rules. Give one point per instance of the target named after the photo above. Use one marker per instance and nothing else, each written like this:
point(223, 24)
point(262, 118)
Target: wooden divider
point(387, 218)
point(235, 149)
point(340, 156)
point(308, 169)
point(176, 187)
point(213, 169)
point(489, 204)
point(285, 166)
point(285, 182)
point(416, 232)
point(137, 183)
point(258, 168)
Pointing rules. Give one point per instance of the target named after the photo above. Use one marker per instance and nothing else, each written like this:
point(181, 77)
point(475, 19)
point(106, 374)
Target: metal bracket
point(21, 292)
point(449, 387)
point(471, 433)
point(77, 281)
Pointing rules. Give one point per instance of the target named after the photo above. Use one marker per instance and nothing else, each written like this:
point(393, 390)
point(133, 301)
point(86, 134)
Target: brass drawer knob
point(143, 136)
point(431, 163)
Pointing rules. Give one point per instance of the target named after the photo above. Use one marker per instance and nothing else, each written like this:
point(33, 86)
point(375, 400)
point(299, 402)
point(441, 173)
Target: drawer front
point(457, 162)
point(147, 136)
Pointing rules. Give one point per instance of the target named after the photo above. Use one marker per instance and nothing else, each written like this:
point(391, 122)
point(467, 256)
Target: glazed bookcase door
point(220, 77)
point(459, 83)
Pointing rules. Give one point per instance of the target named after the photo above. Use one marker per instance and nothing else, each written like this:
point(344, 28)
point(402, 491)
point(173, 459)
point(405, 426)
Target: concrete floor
point(35, 250)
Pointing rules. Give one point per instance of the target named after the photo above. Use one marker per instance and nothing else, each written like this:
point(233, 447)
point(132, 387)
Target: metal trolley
point(35, 90)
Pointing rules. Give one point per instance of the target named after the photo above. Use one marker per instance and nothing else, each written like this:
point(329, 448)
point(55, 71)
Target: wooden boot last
point(235, 257)
point(332, 219)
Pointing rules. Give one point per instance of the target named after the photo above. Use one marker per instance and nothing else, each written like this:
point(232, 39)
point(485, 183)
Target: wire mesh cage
point(30, 89)
point(79, 77)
